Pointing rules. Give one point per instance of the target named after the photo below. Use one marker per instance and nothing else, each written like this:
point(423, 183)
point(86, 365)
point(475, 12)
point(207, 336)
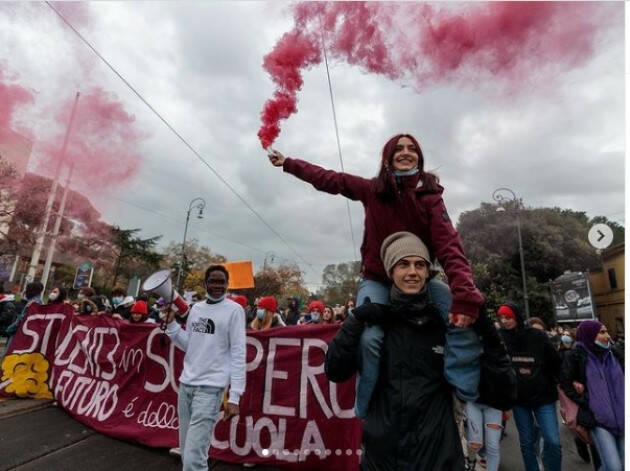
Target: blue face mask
point(260, 314)
point(215, 300)
point(566, 340)
point(315, 317)
point(117, 300)
point(605, 346)
point(406, 173)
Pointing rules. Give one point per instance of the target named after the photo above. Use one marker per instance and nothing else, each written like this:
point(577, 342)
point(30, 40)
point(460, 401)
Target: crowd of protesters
point(582, 360)
point(263, 312)
point(436, 379)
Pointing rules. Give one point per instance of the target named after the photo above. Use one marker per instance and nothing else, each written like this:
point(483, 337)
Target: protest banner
point(121, 380)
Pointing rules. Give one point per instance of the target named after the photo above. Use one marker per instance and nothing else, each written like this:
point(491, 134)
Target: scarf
point(412, 308)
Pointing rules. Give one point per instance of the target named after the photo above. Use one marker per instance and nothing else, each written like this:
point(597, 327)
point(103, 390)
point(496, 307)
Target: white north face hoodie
point(214, 342)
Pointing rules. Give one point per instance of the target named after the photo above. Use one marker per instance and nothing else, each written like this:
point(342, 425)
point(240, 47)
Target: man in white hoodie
point(214, 342)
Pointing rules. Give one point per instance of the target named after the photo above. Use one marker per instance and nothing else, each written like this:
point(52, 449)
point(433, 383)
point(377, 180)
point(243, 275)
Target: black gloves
point(485, 328)
point(371, 313)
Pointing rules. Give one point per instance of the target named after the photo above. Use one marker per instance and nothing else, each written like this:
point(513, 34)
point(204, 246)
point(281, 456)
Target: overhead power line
point(181, 138)
point(205, 231)
point(334, 113)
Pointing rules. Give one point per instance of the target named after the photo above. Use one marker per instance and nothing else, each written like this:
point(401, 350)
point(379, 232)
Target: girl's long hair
point(384, 180)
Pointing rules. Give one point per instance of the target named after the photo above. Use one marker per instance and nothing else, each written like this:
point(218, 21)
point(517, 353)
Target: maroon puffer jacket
point(414, 209)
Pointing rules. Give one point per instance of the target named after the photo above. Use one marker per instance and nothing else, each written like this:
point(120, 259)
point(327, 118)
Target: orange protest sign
point(241, 274)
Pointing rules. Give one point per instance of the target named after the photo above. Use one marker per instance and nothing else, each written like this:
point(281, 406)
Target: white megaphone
point(160, 284)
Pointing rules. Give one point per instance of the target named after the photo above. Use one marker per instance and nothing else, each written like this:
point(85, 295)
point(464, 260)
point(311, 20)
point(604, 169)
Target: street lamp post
point(197, 203)
point(499, 196)
point(268, 255)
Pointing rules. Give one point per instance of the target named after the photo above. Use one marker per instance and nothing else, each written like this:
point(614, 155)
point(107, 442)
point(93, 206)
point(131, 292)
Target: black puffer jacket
point(498, 382)
point(410, 423)
point(535, 360)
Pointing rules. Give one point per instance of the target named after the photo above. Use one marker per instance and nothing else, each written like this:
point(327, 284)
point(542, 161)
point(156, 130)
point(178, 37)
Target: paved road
point(36, 436)
point(511, 459)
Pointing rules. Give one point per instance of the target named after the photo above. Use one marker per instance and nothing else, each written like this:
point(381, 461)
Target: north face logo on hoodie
point(204, 326)
point(439, 349)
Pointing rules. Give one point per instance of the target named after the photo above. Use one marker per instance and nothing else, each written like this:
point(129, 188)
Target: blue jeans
point(198, 407)
point(547, 420)
point(610, 449)
point(372, 337)
point(478, 431)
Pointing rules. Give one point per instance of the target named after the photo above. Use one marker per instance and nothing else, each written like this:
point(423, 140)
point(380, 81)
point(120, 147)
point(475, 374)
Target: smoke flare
point(102, 143)
point(12, 96)
point(423, 44)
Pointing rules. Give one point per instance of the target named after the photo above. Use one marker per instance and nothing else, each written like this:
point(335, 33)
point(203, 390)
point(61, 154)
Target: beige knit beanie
point(400, 245)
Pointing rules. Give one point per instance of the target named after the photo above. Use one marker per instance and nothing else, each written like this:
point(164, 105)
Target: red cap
point(316, 305)
point(140, 307)
point(506, 311)
point(239, 299)
point(269, 303)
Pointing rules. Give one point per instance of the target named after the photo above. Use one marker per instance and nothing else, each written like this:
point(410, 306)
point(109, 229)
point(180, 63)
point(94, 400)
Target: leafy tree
point(8, 189)
point(133, 255)
point(282, 281)
point(554, 240)
point(195, 282)
point(340, 282)
point(23, 205)
point(196, 258)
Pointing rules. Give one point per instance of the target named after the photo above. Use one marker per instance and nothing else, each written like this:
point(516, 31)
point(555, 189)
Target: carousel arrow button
point(600, 236)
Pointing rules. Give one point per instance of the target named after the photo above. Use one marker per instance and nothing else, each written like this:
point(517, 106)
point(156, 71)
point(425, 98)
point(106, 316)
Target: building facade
point(608, 289)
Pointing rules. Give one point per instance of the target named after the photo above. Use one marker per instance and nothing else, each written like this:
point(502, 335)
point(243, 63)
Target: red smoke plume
point(420, 44)
point(295, 51)
point(102, 143)
point(12, 96)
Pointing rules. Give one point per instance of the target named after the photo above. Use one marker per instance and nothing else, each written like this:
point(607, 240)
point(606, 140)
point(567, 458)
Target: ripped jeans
point(484, 428)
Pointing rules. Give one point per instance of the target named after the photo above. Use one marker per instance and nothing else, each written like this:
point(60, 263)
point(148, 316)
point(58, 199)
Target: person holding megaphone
point(214, 342)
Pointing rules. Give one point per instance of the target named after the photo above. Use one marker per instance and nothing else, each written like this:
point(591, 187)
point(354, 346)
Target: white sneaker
point(175, 452)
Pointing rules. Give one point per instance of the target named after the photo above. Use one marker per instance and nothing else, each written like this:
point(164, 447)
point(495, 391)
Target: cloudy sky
point(555, 139)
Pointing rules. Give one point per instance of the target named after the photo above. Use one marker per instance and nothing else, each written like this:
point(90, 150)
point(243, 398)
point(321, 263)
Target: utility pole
point(55, 234)
point(39, 242)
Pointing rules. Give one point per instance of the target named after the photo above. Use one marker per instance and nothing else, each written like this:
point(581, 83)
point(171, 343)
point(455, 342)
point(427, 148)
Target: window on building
point(612, 278)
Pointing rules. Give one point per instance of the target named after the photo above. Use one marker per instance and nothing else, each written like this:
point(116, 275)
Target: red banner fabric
point(121, 380)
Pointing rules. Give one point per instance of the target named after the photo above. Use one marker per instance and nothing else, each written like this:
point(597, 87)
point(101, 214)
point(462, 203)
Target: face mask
point(53, 296)
point(315, 316)
point(566, 339)
point(117, 300)
point(215, 300)
point(88, 309)
point(81, 296)
point(605, 346)
point(406, 173)
point(260, 314)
